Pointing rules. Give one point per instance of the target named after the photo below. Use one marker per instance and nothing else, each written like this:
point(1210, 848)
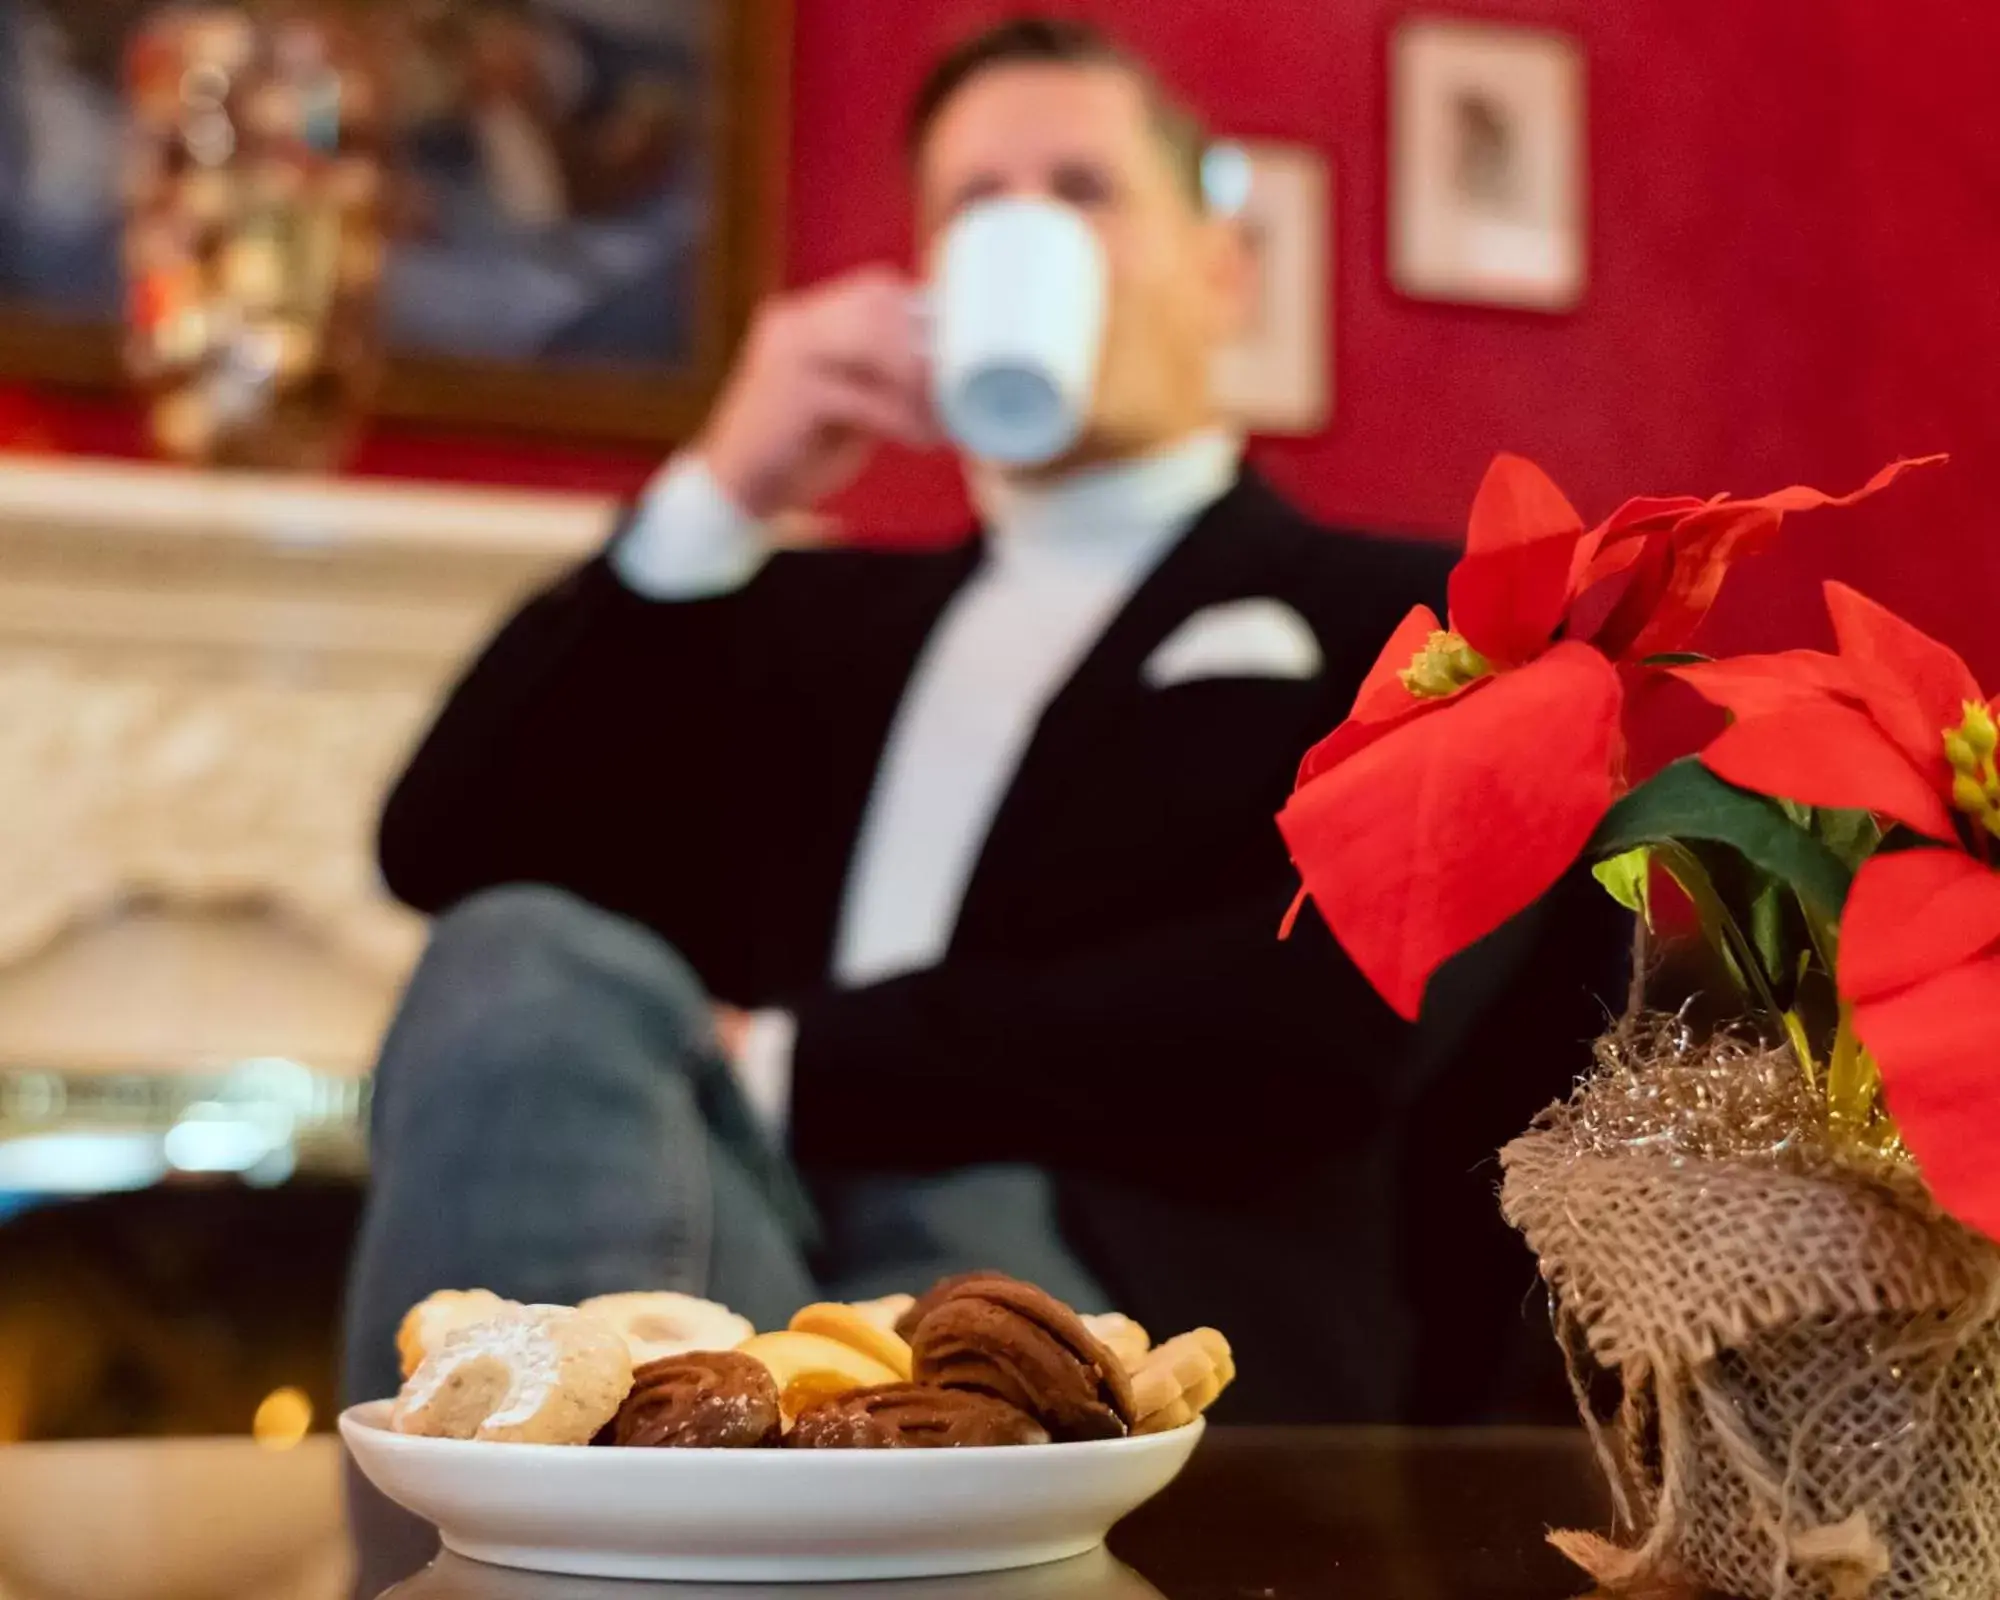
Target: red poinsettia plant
point(1894, 727)
point(1840, 840)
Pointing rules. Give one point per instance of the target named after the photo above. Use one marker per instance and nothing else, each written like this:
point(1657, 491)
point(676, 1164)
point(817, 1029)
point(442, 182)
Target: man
point(973, 850)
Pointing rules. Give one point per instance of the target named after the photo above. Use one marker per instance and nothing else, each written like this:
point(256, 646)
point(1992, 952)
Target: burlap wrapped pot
point(1808, 1362)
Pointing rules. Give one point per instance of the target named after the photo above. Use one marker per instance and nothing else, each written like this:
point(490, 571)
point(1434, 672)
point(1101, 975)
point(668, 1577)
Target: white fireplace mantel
point(205, 682)
point(159, 501)
point(129, 559)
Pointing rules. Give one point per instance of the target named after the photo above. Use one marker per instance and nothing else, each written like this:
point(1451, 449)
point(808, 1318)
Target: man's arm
point(1205, 1044)
point(584, 747)
point(1208, 1039)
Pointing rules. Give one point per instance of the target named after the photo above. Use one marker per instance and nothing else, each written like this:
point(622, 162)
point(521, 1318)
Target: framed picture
point(583, 202)
point(1486, 181)
point(1277, 377)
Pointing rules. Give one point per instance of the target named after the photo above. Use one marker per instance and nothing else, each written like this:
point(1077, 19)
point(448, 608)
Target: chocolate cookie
point(937, 1294)
point(913, 1416)
point(705, 1400)
point(1010, 1340)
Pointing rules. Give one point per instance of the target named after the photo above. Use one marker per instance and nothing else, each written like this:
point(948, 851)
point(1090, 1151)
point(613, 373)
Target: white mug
point(1017, 324)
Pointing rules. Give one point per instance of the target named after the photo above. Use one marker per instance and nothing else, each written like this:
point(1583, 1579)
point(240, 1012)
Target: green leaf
point(1720, 927)
point(1850, 835)
point(1795, 1031)
point(1676, 658)
point(1685, 802)
point(1767, 927)
point(1628, 879)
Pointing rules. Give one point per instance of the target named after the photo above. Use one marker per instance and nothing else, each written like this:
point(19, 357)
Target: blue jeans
point(552, 1121)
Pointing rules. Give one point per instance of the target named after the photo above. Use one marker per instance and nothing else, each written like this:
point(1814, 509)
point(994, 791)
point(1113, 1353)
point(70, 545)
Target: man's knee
point(534, 935)
point(525, 980)
point(517, 916)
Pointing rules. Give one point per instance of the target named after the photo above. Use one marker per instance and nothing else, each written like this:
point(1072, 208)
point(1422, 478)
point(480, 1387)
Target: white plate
point(765, 1516)
point(1096, 1576)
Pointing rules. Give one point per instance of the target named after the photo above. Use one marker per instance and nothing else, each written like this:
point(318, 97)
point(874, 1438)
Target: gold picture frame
point(1276, 376)
point(1488, 165)
point(730, 260)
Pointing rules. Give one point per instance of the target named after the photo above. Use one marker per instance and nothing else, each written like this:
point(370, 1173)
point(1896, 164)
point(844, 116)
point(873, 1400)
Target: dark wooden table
point(1260, 1514)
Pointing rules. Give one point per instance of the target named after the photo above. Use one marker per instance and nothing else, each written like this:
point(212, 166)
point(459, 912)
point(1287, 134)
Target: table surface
point(1260, 1514)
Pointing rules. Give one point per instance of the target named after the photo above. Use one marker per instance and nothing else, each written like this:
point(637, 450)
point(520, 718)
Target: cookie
point(1181, 1379)
point(913, 1416)
point(431, 1321)
point(660, 1323)
point(848, 1325)
point(528, 1375)
point(810, 1367)
point(705, 1400)
point(1012, 1340)
point(936, 1295)
point(886, 1312)
point(1123, 1337)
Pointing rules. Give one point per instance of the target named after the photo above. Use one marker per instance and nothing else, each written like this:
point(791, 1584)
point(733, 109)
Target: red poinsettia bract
point(1895, 724)
point(1478, 759)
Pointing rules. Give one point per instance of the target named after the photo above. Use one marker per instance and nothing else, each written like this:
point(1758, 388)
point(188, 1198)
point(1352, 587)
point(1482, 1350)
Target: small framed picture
point(1487, 165)
point(1276, 377)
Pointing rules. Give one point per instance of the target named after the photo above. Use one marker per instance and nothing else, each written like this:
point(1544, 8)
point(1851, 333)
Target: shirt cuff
point(688, 540)
point(764, 1067)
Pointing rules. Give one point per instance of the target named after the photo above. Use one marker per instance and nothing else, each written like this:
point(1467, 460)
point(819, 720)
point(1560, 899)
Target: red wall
point(1795, 235)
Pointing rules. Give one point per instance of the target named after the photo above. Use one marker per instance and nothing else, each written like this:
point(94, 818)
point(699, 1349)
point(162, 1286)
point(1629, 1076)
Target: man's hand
point(732, 1027)
point(758, 1047)
point(824, 376)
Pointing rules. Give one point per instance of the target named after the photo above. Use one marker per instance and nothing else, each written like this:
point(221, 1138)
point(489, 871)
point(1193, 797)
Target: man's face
point(1084, 135)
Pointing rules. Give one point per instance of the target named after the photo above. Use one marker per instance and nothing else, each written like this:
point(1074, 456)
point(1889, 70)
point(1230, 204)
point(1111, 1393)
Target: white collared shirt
point(1063, 559)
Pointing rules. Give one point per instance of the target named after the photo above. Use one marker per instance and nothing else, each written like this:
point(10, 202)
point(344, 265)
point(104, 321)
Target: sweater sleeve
point(688, 540)
point(1207, 1038)
point(590, 747)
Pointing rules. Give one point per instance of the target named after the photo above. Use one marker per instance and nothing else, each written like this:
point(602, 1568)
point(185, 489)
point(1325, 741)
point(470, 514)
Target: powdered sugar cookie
point(529, 1375)
point(435, 1319)
point(659, 1323)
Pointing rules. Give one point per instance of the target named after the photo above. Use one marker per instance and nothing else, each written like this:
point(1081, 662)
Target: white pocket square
point(1240, 639)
